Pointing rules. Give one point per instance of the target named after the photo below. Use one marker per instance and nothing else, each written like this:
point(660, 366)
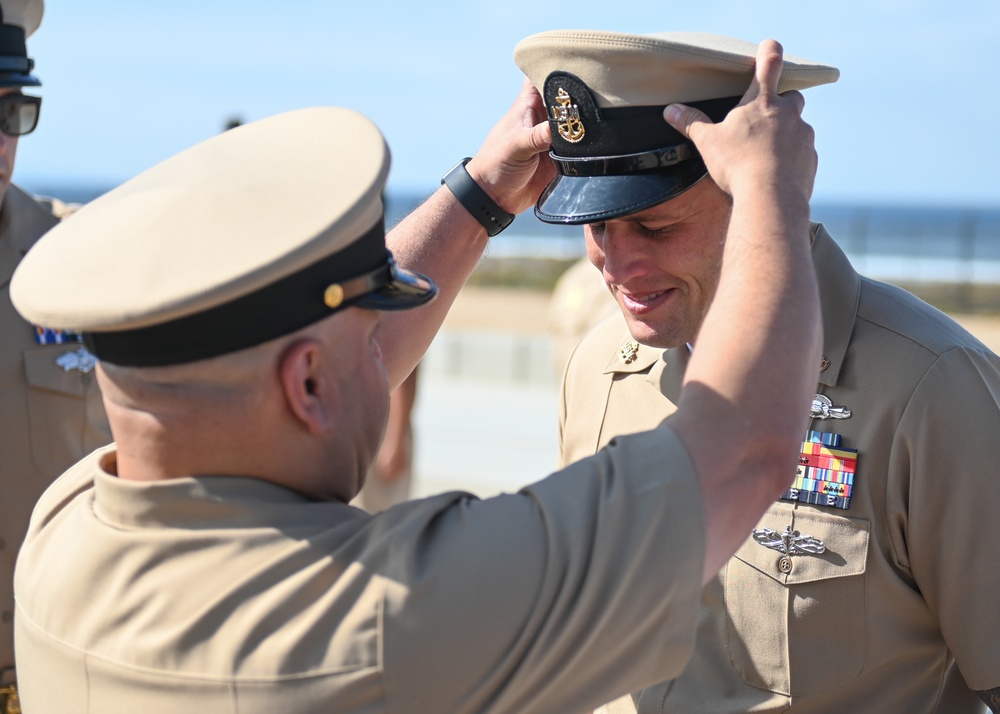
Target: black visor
point(575, 200)
point(403, 290)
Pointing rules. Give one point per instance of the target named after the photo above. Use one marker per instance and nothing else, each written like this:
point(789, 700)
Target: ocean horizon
point(920, 243)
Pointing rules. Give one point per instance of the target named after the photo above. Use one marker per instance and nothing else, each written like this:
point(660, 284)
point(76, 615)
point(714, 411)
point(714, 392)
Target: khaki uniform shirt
point(901, 613)
point(228, 594)
point(49, 416)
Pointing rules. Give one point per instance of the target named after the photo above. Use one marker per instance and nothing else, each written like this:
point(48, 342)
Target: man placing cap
point(50, 409)
point(248, 321)
point(868, 585)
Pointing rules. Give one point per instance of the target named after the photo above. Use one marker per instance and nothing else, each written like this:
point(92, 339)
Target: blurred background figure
point(391, 476)
point(50, 408)
point(580, 299)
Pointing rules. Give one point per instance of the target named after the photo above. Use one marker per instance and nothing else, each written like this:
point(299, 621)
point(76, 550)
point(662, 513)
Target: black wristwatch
point(493, 218)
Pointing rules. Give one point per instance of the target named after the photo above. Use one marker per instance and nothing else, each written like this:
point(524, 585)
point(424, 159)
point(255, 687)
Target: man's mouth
point(640, 303)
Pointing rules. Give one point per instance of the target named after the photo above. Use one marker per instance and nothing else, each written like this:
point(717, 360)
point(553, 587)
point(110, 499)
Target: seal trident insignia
point(568, 115)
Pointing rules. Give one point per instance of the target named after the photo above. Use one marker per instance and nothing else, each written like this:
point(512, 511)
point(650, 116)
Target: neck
point(163, 445)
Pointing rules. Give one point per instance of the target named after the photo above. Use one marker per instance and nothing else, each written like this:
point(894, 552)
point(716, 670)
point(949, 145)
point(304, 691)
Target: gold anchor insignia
point(628, 352)
point(9, 701)
point(568, 115)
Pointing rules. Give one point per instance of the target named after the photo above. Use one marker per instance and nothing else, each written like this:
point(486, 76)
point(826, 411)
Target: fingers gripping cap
point(18, 20)
point(248, 236)
point(605, 93)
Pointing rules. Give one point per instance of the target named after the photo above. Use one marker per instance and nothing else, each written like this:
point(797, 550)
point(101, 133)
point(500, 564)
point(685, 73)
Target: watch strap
point(475, 200)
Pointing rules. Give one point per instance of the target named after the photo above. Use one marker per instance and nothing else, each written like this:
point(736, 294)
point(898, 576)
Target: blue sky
point(127, 84)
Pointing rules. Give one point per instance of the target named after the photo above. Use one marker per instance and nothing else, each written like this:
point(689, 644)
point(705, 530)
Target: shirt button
point(785, 564)
point(7, 617)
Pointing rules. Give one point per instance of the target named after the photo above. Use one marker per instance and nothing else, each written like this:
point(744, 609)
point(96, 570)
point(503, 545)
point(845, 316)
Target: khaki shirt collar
point(197, 503)
point(839, 295)
point(645, 356)
point(665, 367)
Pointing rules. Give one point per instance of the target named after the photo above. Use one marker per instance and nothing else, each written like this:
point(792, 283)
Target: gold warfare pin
point(567, 116)
point(628, 352)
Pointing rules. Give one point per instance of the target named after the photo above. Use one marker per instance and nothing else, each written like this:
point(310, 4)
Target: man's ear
point(301, 381)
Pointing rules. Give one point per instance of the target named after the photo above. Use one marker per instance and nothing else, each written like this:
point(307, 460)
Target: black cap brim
point(18, 79)
point(575, 200)
point(405, 290)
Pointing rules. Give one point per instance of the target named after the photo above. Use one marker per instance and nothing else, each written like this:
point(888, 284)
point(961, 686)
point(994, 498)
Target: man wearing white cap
point(870, 584)
point(239, 297)
point(50, 408)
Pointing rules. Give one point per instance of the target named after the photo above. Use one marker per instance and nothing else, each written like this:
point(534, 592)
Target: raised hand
point(511, 165)
point(764, 139)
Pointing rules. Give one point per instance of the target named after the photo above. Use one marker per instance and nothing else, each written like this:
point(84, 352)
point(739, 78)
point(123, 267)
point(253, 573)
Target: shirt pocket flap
point(845, 540)
point(42, 372)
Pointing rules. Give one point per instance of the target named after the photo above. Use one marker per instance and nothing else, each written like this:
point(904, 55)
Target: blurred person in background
point(390, 478)
point(579, 301)
point(51, 413)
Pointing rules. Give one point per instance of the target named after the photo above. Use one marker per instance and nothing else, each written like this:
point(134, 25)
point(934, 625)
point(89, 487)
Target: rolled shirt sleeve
point(580, 588)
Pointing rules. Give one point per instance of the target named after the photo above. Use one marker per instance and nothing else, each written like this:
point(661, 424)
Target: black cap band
point(625, 164)
point(351, 275)
point(12, 42)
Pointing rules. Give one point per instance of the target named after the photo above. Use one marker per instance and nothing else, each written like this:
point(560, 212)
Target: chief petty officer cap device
point(605, 93)
point(18, 19)
point(246, 237)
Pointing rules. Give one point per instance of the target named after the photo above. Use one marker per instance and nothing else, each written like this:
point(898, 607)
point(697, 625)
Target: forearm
point(759, 344)
point(755, 360)
point(401, 405)
point(752, 372)
point(442, 240)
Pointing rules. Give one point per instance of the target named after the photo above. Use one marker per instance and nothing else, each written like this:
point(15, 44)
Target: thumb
point(530, 142)
point(685, 119)
point(540, 137)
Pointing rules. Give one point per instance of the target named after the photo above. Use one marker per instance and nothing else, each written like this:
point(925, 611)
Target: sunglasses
point(19, 114)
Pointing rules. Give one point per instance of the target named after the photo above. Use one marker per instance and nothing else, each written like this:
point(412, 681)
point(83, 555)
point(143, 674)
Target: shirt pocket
point(65, 415)
point(799, 627)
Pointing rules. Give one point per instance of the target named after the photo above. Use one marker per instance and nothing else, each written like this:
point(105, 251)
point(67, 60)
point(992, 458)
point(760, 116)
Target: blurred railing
point(948, 256)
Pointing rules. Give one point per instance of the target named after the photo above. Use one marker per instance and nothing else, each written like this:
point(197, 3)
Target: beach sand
point(502, 309)
point(486, 427)
point(505, 309)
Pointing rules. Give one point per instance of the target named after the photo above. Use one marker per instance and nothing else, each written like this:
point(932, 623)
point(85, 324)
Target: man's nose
point(624, 257)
